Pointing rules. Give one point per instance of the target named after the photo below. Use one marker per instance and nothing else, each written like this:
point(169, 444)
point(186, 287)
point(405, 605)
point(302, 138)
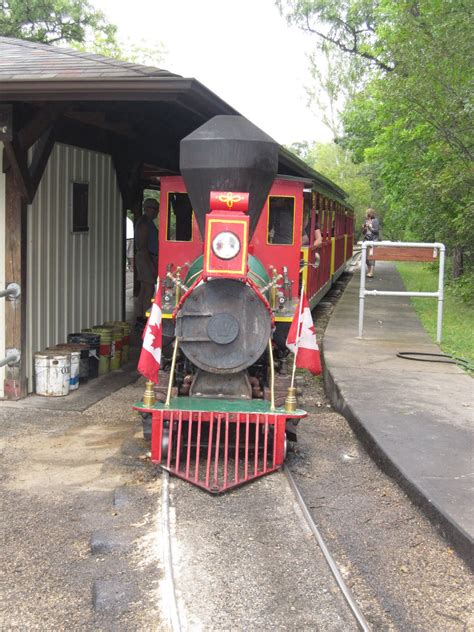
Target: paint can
point(125, 328)
point(83, 350)
point(74, 364)
point(93, 342)
point(116, 359)
point(126, 342)
point(52, 373)
point(105, 348)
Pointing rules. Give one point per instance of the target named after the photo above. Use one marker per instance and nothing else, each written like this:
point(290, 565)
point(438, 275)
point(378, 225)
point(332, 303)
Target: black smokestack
point(228, 153)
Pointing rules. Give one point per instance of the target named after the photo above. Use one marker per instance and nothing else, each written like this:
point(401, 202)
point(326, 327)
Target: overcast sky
point(242, 50)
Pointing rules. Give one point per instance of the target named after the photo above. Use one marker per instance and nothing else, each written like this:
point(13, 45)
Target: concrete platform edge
point(449, 529)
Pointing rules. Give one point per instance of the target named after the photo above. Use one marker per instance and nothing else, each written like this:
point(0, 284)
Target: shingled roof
point(22, 60)
point(157, 107)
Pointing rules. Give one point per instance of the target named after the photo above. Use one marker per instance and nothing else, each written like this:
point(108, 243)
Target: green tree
point(336, 163)
point(406, 69)
point(53, 21)
point(75, 22)
point(137, 52)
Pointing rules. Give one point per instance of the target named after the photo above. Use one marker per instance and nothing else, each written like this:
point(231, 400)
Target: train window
point(306, 227)
point(179, 220)
point(281, 219)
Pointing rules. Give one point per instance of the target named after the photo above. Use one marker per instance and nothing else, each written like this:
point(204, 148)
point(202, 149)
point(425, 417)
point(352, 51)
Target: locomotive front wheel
point(165, 440)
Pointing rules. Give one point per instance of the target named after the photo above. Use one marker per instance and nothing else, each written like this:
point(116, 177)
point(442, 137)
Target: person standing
point(146, 257)
point(306, 238)
point(129, 249)
point(371, 230)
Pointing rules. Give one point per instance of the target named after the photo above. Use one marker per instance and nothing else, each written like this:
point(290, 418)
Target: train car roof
point(292, 166)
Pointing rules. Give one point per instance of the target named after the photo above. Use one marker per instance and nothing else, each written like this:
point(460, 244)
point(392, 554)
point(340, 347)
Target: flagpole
point(297, 342)
point(291, 402)
point(272, 375)
point(173, 365)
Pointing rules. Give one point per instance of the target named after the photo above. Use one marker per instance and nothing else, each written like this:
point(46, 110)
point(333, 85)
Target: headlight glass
point(226, 245)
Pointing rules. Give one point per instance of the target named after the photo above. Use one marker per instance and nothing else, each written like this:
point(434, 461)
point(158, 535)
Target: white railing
point(398, 244)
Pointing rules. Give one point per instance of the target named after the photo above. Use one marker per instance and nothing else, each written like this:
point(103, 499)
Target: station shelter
point(81, 137)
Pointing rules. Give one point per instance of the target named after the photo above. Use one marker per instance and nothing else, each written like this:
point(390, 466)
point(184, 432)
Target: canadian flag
point(150, 356)
point(302, 338)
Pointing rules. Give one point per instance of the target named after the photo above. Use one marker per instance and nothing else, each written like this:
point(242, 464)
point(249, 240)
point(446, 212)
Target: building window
point(80, 207)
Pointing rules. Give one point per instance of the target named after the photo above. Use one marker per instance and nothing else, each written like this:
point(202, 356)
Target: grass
point(458, 316)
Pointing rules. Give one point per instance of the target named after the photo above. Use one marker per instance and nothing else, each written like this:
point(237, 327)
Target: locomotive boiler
point(231, 267)
point(228, 166)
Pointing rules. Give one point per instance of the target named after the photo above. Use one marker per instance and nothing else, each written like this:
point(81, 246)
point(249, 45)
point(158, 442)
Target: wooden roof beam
point(39, 123)
point(99, 119)
point(40, 159)
point(17, 162)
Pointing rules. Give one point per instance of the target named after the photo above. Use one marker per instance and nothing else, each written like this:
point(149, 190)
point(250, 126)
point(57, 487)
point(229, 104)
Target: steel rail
point(354, 608)
point(172, 602)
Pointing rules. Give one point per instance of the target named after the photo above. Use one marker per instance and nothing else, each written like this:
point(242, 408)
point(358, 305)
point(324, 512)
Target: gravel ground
point(403, 574)
point(81, 538)
point(79, 504)
point(246, 560)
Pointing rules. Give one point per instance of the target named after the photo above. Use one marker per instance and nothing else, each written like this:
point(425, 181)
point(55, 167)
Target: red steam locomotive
point(236, 245)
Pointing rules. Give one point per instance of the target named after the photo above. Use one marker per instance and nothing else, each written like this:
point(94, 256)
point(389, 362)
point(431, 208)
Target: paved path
point(417, 417)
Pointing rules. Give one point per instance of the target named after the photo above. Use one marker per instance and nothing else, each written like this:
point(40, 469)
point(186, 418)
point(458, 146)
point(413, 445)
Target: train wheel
point(165, 440)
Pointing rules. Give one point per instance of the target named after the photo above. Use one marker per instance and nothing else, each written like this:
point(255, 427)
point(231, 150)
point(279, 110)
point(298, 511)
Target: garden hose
point(446, 358)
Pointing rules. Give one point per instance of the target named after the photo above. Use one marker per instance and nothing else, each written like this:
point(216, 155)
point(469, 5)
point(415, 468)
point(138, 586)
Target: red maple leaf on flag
point(150, 356)
point(155, 331)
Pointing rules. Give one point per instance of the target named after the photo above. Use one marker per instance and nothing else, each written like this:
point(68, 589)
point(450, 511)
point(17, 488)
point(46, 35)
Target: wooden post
point(21, 183)
point(15, 271)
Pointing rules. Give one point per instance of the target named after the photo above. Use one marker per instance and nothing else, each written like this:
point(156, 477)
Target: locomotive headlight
point(226, 245)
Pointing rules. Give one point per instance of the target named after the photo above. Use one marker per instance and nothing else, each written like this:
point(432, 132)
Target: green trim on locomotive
point(256, 273)
point(201, 404)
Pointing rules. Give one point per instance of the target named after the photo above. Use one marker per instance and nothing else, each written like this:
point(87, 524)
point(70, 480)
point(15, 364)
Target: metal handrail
point(399, 244)
point(11, 292)
point(13, 357)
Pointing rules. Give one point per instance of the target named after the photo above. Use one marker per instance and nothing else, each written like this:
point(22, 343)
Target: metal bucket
point(116, 359)
point(105, 348)
point(126, 342)
point(125, 328)
point(52, 373)
point(74, 367)
point(83, 349)
point(93, 342)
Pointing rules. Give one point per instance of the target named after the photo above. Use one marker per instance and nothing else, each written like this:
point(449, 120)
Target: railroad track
point(170, 597)
point(348, 596)
point(172, 604)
